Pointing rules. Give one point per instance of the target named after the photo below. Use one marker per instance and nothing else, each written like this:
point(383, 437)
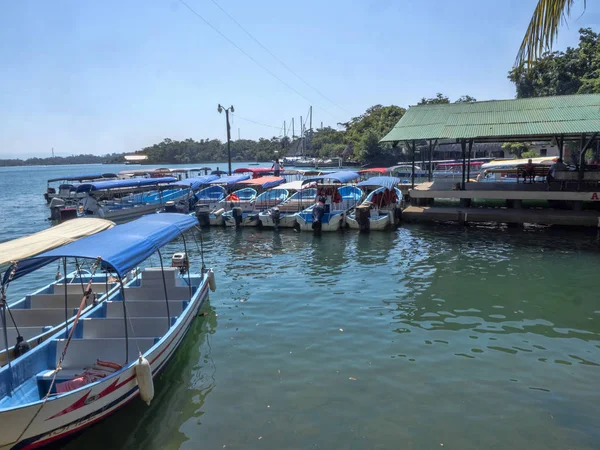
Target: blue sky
point(115, 76)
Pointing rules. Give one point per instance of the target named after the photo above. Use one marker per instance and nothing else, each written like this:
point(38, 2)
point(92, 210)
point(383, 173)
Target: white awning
point(54, 237)
point(295, 185)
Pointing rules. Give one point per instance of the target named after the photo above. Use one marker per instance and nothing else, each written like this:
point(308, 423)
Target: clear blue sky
point(115, 76)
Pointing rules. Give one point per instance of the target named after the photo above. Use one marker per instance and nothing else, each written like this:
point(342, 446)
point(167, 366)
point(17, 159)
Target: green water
point(471, 338)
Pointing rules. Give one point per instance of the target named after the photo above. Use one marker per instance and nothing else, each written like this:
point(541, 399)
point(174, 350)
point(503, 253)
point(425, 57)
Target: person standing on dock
point(276, 167)
point(556, 167)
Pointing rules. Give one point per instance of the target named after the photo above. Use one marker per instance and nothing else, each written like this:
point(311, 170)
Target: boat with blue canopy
point(66, 190)
point(284, 215)
point(109, 354)
point(35, 317)
point(335, 198)
point(381, 209)
point(123, 200)
point(249, 217)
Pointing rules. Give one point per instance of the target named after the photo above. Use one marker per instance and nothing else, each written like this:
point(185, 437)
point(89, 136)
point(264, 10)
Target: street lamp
point(220, 109)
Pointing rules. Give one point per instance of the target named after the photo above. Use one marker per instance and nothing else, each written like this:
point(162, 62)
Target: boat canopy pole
point(125, 319)
point(200, 248)
point(188, 268)
point(162, 271)
point(66, 296)
point(80, 278)
point(3, 313)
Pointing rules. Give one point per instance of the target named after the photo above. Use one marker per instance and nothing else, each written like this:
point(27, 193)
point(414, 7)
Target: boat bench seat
point(115, 327)
point(58, 300)
point(83, 353)
point(40, 316)
point(27, 333)
point(75, 288)
point(145, 308)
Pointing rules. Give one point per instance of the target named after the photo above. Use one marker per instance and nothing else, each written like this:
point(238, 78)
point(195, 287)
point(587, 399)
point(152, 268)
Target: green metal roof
point(498, 120)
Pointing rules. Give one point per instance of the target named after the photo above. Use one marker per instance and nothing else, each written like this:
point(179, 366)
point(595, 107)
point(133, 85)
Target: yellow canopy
point(45, 240)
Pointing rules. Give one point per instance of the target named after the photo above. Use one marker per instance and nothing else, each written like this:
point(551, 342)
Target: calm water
point(431, 335)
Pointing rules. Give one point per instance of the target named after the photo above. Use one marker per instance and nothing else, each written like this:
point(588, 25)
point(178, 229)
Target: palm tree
point(543, 28)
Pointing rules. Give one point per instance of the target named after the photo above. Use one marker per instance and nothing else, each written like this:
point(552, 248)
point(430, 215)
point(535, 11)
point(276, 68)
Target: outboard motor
point(21, 347)
point(397, 215)
point(363, 216)
point(317, 215)
point(276, 216)
point(56, 204)
point(170, 207)
point(236, 213)
point(203, 215)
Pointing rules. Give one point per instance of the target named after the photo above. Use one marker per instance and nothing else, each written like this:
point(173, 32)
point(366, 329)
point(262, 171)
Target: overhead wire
point(277, 59)
point(193, 11)
point(255, 122)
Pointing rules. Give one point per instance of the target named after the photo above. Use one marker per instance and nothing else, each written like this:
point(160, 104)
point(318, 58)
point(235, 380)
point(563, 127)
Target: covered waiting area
point(560, 119)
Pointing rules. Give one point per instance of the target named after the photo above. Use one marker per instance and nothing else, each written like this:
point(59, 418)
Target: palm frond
point(543, 29)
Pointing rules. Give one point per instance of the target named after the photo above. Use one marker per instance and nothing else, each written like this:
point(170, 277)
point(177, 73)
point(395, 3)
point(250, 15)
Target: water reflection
point(180, 392)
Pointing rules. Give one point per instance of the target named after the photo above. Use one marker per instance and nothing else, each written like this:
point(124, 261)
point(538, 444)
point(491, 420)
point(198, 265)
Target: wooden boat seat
point(39, 316)
point(115, 327)
point(75, 288)
point(83, 353)
point(52, 301)
point(145, 308)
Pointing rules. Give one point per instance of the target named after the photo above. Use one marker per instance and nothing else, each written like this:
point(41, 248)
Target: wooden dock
point(501, 215)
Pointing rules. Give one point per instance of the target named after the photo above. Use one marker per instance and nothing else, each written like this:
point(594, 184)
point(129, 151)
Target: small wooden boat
point(335, 198)
point(111, 352)
point(381, 209)
point(34, 318)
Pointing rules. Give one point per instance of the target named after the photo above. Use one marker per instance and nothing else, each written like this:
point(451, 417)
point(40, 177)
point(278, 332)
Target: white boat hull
point(285, 221)
point(68, 413)
point(333, 224)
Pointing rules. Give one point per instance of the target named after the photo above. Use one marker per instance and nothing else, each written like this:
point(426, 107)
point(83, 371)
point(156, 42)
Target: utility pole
point(220, 109)
point(321, 124)
point(238, 134)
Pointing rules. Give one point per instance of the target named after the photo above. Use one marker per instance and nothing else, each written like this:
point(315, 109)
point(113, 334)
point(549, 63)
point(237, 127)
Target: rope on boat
point(86, 294)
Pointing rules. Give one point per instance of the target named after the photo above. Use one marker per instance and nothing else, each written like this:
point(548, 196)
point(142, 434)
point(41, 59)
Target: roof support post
point(412, 175)
point(430, 169)
point(560, 141)
point(583, 148)
point(463, 147)
point(469, 165)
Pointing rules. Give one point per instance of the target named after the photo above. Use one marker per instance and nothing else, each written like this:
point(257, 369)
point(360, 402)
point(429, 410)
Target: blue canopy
point(196, 182)
point(341, 177)
point(387, 182)
point(121, 248)
point(116, 184)
point(231, 179)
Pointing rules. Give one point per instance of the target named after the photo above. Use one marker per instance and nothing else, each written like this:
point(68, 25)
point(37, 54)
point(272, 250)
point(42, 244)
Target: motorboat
point(238, 217)
point(284, 214)
point(210, 210)
point(110, 354)
point(242, 199)
point(66, 189)
point(335, 198)
point(381, 208)
point(32, 319)
point(405, 171)
point(123, 200)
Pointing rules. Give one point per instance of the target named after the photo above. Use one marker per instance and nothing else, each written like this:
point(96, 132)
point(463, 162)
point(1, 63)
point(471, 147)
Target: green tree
point(574, 71)
point(466, 99)
point(515, 148)
point(543, 29)
point(437, 100)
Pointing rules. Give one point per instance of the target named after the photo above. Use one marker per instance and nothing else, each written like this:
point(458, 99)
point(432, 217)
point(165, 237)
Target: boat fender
point(21, 347)
point(218, 212)
point(143, 374)
point(212, 283)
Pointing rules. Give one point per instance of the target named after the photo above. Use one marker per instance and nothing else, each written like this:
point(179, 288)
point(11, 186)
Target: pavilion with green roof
point(558, 118)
